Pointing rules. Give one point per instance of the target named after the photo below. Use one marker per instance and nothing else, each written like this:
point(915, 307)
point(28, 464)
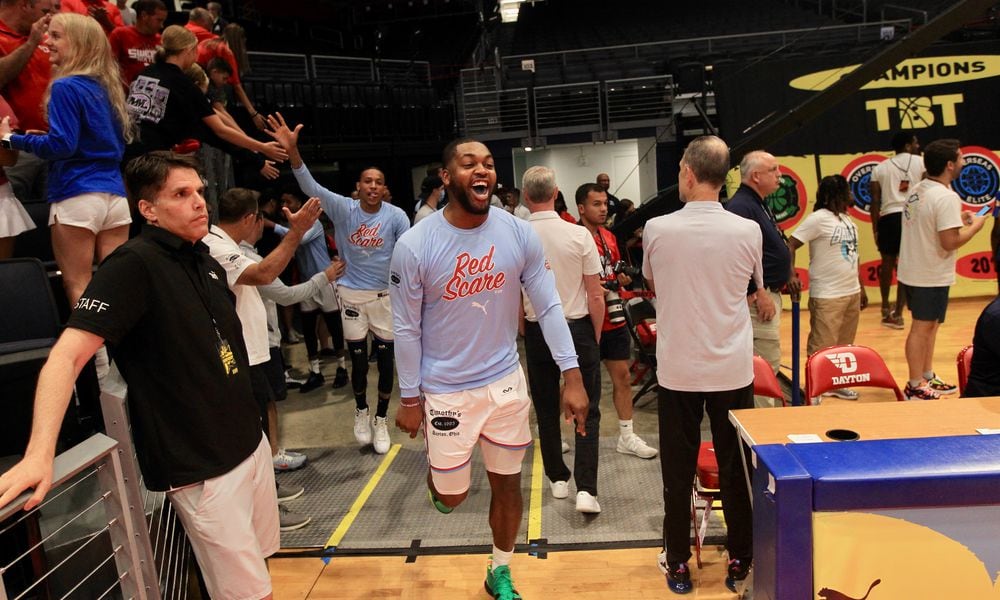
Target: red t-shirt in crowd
point(25, 92)
point(134, 51)
point(217, 47)
point(199, 32)
point(82, 7)
point(565, 216)
point(607, 251)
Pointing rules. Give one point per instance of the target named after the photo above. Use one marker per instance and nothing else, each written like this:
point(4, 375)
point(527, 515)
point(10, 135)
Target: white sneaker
point(286, 460)
point(362, 427)
point(565, 447)
point(843, 394)
point(633, 444)
point(560, 489)
point(586, 503)
point(381, 436)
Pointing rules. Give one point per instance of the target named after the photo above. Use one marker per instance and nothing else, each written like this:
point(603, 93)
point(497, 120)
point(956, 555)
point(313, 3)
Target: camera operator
point(592, 204)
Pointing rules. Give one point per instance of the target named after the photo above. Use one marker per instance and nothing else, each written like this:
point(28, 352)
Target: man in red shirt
point(212, 46)
point(135, 47)
point(108, 15)
point(24, 77)
point(592, 203)
point(200, 24)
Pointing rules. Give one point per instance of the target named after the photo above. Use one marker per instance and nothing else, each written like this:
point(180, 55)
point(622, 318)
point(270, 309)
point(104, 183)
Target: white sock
point(314, 365)
point(928, 375)
point(501, 558)
point(624, 427)
point(914, 383)
point(340, 363)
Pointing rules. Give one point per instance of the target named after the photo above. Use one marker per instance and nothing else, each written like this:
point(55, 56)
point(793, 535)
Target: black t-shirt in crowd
point(169, 319)
point(167, 105)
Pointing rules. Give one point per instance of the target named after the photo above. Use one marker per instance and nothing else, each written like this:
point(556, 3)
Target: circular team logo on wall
point(979, 180)
point(858, 174)
point(788, 202)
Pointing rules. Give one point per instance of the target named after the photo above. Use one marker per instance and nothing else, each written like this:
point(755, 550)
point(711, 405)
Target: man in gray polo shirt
point(699, 260)
point(572, 257)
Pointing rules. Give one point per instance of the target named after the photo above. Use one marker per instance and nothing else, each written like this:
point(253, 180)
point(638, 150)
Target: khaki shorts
point(364, 311)
point(232, 523)
point(495, 416)
point(767, 334)
point(832, 321)
point(96, 211)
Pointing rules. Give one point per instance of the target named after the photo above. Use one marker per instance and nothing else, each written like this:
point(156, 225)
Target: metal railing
point(98, 532)
point(567, 108)
point(342, 68)
point(503, 113)
point(924, 16)
point(278, 65)
point(116, 538)
point(161, 537)
point(639, 102)
point(738, 43)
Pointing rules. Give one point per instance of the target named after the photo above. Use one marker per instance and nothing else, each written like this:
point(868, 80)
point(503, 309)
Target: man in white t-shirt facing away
point(699, 260)
point(455, 285)
point(934, 227)
point(890, 184)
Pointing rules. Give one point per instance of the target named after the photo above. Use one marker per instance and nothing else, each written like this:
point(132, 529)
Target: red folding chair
point(705, 489)
point(964, 365)
point(847, 366)
point(704, 492)
point(765, 383)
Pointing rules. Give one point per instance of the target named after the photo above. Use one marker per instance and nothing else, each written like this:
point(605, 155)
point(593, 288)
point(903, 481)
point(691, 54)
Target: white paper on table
point(987, 431)
point(804, 438)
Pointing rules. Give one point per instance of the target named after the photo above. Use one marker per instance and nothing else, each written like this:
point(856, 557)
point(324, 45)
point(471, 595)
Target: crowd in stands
point(97, 96)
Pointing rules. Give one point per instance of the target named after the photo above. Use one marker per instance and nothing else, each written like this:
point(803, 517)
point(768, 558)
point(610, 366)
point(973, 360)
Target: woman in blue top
point(88, 127)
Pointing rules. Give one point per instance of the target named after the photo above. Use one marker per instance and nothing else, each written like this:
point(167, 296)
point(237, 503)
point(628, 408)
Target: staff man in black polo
point(162, 305)
point(760, 177)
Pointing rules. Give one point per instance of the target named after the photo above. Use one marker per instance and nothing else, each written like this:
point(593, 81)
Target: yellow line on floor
point(535, 501)
point(348, 520)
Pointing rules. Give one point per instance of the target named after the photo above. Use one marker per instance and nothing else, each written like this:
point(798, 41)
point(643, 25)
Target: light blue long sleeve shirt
point(455, 302)
point(365, 240)
point(311, 255)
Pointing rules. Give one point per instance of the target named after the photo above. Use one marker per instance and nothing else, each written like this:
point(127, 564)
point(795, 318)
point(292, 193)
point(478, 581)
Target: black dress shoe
point(314, 381)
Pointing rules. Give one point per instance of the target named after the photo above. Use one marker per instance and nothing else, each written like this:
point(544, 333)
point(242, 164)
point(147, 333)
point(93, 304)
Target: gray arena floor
point(362, 502)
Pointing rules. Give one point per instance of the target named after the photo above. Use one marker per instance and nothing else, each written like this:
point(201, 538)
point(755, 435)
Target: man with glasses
point(760, 177)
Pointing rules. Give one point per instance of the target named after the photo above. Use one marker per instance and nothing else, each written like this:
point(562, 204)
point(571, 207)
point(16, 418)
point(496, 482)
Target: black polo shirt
point(777, 259)
point(154, 301)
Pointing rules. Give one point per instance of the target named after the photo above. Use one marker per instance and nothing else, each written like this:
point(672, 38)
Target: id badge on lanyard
point(225, 353)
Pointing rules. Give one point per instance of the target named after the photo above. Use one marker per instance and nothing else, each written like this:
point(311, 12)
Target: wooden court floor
point(584, 574)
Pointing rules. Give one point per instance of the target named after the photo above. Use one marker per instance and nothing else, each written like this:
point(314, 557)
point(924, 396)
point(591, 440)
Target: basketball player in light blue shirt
point(455, 284)
point(366, 231)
